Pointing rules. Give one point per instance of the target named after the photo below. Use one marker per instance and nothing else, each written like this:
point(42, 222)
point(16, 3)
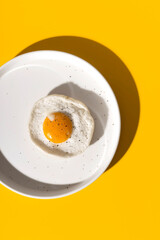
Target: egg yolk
point(58, 128)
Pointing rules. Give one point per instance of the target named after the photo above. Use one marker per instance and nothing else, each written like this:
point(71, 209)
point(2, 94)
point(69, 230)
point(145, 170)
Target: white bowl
point(24, 80)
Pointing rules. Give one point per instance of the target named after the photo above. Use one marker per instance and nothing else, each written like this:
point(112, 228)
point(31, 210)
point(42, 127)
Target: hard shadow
point(116, 73)
point(95, 104)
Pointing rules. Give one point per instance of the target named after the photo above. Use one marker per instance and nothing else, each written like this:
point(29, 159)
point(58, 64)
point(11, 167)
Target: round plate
point(31, 76)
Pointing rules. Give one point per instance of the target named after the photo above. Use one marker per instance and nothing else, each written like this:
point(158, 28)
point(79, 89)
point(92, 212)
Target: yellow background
point(124, 202)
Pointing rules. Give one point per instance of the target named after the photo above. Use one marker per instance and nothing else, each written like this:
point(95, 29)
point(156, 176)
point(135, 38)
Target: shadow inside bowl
point(94, 102)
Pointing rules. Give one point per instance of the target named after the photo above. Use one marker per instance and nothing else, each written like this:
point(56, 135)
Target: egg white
point(82, 123)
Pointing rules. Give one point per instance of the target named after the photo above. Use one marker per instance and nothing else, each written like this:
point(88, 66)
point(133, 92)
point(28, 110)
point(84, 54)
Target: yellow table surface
point(124, 202)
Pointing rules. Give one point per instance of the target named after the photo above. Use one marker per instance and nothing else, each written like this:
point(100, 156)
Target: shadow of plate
point(124, 87)
point(116, 73)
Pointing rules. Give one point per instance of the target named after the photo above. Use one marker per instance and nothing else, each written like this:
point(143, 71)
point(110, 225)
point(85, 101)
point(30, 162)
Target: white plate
point(31, 76)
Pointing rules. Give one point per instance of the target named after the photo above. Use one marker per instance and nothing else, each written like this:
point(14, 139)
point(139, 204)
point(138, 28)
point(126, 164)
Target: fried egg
point(61, 125)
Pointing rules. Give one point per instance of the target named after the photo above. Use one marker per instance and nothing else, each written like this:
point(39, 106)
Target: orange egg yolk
point(58, 128)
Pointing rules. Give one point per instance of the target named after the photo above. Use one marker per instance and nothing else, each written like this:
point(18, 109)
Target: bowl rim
point(92, 179)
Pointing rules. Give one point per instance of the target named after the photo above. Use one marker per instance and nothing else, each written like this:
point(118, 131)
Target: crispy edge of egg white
point(60, 152)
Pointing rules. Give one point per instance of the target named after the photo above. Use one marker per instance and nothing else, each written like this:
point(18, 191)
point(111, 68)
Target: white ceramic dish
point(23, 81)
